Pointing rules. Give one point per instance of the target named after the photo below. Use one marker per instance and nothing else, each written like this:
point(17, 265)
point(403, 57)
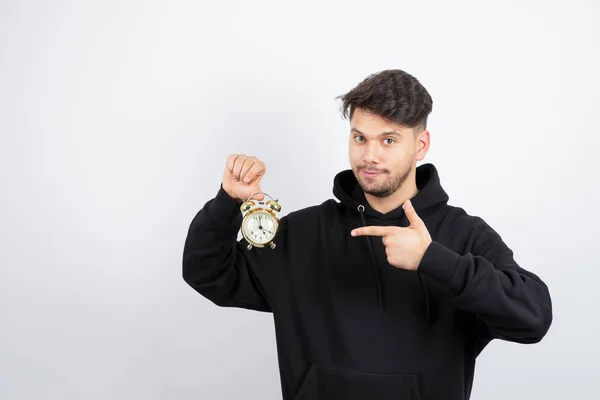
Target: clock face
point(260, 227)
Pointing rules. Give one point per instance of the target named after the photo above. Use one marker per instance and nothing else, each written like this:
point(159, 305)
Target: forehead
point(372, 124)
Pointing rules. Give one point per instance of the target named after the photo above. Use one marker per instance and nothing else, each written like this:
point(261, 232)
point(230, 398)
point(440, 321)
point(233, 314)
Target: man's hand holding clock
point(241, 181)
point(242, 176)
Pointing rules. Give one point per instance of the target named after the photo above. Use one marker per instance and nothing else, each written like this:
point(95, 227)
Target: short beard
point(390, 185)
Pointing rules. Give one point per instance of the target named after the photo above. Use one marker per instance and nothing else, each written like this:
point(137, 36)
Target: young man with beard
point(390, 293)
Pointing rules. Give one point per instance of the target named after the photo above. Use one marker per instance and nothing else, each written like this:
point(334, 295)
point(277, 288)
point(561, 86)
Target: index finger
point(231, 162)
point(373, 231)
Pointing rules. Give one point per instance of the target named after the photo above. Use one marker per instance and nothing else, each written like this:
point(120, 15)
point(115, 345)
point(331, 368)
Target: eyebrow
point(381, 134)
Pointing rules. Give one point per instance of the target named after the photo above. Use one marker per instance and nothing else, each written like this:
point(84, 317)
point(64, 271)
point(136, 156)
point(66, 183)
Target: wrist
point(229, 192)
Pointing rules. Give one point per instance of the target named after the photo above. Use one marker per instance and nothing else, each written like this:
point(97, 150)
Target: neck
point(408, 190)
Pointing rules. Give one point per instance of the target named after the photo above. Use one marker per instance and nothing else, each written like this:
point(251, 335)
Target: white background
point(116, 119)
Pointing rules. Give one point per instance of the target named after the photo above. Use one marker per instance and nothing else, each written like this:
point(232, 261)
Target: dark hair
point(394, 95)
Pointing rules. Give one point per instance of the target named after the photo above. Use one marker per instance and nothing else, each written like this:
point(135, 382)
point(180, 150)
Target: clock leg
point(272, 244)
point(249, 247)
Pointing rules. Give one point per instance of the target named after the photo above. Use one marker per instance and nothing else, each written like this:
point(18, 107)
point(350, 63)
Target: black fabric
point(351, 326)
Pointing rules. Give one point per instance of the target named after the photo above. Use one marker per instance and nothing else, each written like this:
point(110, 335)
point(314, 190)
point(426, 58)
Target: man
point(390, 293)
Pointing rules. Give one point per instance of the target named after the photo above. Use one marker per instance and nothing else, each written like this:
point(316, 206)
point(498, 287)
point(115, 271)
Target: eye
point(358, 138)
point(392, 140)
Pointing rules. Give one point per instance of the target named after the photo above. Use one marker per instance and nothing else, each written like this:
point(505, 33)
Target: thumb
point(245, 191)
point(254, 190)
point(411, 214)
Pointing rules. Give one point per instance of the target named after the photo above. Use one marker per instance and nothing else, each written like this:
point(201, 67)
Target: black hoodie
point(351, 326)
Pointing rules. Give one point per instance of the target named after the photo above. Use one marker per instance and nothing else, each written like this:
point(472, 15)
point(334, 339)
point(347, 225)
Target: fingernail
point(247, 179)
point(353, 233)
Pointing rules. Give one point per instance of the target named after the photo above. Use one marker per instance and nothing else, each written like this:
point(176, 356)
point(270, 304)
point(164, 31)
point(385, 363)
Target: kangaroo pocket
point(332, 383)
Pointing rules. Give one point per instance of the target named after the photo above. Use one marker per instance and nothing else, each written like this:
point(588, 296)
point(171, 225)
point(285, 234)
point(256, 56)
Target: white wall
point(115, 122)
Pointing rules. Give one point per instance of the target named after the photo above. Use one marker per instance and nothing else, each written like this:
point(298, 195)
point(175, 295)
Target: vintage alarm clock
point(260, 224)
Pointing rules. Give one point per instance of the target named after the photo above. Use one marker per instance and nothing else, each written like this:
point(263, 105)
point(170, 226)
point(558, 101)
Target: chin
point(380, 194)
point(376, 191)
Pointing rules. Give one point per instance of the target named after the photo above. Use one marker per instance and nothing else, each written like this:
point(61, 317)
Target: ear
point(422, 143)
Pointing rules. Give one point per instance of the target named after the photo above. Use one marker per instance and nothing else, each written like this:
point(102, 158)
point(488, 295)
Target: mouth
point(370, 173)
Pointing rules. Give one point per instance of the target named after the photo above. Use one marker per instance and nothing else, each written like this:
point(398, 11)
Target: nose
point(372, 154)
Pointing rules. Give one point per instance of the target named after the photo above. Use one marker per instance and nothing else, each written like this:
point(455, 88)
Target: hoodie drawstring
point(376, 270)
point(377, 273)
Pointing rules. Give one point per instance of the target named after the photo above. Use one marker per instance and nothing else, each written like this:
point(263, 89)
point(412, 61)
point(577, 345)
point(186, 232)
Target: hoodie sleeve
point(513, 303)
point(215, 264)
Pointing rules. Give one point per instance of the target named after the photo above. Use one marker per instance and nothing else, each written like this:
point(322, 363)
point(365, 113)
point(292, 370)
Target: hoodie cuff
point(439, 262)
point(224, 207)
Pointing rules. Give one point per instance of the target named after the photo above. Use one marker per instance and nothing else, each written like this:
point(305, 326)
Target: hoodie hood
point(427, 202)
